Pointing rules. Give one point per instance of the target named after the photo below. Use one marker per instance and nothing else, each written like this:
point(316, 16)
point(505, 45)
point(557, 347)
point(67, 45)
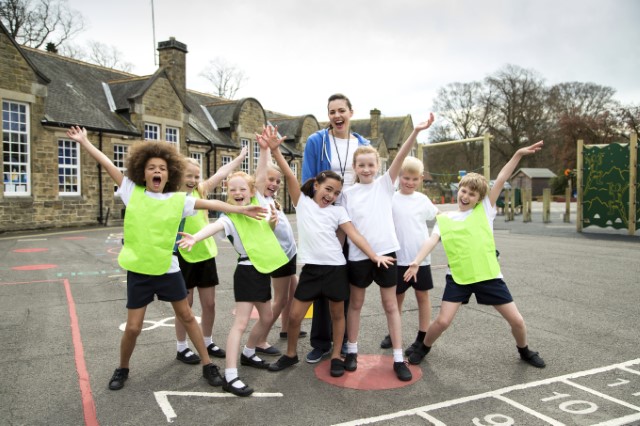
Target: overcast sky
point(392, 55)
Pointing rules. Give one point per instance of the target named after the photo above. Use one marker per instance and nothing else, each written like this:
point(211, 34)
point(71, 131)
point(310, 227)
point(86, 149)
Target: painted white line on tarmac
point(162, 398)
point(499, 392)
point(601, 395)
point(529, 410)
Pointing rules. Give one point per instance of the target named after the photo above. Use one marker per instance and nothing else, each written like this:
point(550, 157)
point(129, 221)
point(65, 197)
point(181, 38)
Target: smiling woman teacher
point(330, 149)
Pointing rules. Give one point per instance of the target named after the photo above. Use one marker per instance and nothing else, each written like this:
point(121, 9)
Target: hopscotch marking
point(164, 322)
point(499, 395)
point(162, 398)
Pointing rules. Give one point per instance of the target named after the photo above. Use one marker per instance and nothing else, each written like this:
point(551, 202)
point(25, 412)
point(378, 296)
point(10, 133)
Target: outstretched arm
point(272, 141)
point(209, 185)
point(363, 245)
point(253, 211)
point(508, 169)
point(405, 149)
point(188, 241)
point(80, 135)
point(427, 247)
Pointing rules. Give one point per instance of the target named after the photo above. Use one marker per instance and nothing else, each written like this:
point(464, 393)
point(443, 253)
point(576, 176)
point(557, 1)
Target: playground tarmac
point(62, 303)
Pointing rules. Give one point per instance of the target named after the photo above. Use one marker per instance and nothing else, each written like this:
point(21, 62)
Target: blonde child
point(324, 273)
point(284, 280)
point(467, 238)
point(198, 266)
point(154, 172)
point(369, 205)
point(259, 254)
point(411, 211)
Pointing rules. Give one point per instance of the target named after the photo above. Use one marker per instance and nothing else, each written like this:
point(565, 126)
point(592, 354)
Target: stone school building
point(48, 182)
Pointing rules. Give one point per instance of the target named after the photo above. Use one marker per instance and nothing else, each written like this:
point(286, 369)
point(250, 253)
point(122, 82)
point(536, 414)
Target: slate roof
point(391, 129)
point(200, 127)
point(535, 173)
point(75, 94)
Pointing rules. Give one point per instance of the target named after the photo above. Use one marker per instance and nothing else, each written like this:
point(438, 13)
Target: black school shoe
point(283, 362)
point(402, 371)
point(412, 348)
point(533, 358)
point(243, 391)
point(216, 351)
point(188, 357)
point(386, 342)
point(337, 367)
point(211, 372)
point(418, 354)
point(119, 377)
point(351, 362)
point(253, 361)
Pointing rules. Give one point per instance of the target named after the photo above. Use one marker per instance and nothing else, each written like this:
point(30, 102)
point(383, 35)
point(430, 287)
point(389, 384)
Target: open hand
point(385, 261)
point(255, 212)
point(187, 241)
point(411, 273)
point(426, 124)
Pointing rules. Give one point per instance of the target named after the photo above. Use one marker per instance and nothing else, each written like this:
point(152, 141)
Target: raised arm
point(273, 142)
point(221, 174)
point(363, 245)
point(427, 247)
point(80, 135)
point(508, 169)
point(253, 211)
point(405, 149)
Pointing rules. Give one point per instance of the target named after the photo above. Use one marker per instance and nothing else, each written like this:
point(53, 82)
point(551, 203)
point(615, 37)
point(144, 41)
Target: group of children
point(167, 252)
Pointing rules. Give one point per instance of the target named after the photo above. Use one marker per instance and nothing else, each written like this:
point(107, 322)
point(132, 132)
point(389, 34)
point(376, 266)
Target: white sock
point(207, 341)
point(182, 345)
point(352, 348)
point(230, 374)
point(250, 352)
point(397, 355)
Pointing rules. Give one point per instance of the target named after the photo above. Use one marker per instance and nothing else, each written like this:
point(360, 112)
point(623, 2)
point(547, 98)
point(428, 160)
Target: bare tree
point(226, 78)
point(630, 117)
point(37, 23)
point(107, 56)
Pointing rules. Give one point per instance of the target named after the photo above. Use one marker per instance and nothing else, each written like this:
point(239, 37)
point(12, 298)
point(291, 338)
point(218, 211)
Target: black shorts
point(424, 283)
point(330, 281)
point(249, 285)
point(490, 292)
point(141, 288)
point(363, 272)
point(199, 274)
point(285, 270)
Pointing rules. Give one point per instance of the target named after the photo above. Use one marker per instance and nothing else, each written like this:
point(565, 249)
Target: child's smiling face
point(467, 198)
point(366, 167)
point(327, 192)
point(191, 178)
point(239, 191)
point(274, 180)
point(156, 174)
point(409, 182)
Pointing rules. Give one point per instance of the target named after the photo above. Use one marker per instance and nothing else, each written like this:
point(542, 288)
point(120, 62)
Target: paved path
point(62, 298)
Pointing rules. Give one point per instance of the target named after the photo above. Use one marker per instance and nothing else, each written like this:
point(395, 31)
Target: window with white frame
point(256, 155)
point(294, 169)
point(68, 168)
point(119, 154)
point(15, 148)
point(172, 135)
point(245, 163)
point(226, 159)
point(151, 132)
point(198, 157)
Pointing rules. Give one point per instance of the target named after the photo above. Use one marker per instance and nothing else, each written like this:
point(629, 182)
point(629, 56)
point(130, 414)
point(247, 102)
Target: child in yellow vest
point(154, 212)
point(259, 254)
point(467, 238)
point(198, 266)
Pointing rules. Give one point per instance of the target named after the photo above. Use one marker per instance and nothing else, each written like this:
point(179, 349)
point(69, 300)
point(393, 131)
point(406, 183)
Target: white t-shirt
point(459, 216)
point(283, 231)
point(230, 231)
point(342, 158)
point(369, 207)
point(410, 215)
point(317, 240)
point(126, 189)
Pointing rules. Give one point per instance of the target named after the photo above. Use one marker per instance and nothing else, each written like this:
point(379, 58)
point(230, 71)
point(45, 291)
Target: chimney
point(375, 123)
point(173, 56)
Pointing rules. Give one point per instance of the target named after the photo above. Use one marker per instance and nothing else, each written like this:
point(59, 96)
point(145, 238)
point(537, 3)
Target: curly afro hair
point(141, 152)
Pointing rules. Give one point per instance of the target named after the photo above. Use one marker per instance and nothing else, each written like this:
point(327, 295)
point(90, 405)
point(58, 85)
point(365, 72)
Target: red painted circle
point(375, 372)
point(30, 250)
point(33, 267)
